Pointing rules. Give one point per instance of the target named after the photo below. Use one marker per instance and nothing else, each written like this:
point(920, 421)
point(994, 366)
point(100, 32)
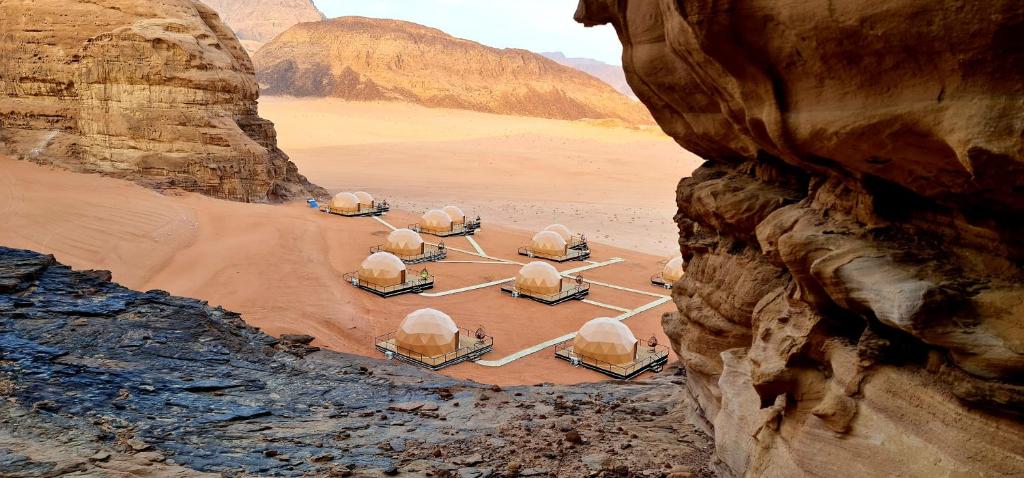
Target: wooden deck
point(647, 358)
point(469, 348)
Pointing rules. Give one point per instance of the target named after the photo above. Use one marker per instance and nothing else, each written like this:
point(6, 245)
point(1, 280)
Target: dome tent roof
point(563, 231)
point(456, 214)
point(345, 202)
point(382, 268)
point(548, 242)
point(539, 277)
point(364, 198)
point(607, 340)
point(404, 241)
point(436, 219)
point(673, 270)
point(428, 332)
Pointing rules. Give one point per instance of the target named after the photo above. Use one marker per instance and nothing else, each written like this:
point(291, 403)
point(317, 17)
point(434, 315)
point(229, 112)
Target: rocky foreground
point(157, 92)
point(853, 303)
point(99, 380)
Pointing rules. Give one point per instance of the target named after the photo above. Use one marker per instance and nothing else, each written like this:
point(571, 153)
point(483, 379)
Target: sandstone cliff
point(369, 59)
point(853, 303)
point(156, 92)
point(259, 21)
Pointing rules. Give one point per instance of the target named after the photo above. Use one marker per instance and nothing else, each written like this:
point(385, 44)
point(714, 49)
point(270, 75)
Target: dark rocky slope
point(854, 297)
point(157, 92)
point(99, 380)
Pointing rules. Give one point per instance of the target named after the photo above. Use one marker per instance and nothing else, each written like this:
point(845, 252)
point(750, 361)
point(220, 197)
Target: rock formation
point(366, 59)
point(99, 380)
point(156, 92)
point(611, 74)
point(259, 21)
point(853, 303)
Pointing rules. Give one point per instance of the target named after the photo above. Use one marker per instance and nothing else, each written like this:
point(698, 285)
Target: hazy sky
point(537, 25)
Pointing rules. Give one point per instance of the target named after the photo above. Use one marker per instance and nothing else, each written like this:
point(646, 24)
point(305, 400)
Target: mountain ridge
point(361, 58)
point(256, 22)
point(606, 72)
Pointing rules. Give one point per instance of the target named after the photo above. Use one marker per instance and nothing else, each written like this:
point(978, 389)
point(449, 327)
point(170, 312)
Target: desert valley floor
point(281, 266)
point(613, 182)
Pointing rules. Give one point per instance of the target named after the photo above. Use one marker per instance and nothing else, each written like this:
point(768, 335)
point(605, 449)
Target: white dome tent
point(543, 283)
point(384, 274)
point(608, 346)
point(430, 338)
point(356, 204)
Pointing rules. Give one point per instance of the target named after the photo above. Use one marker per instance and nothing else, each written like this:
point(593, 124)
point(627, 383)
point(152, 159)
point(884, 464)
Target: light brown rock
point(156, 92)
point(259, 21)
point(853, 244)
point(367, 59)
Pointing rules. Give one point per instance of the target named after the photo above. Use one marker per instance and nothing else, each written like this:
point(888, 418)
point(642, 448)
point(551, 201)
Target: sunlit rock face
point(259, 21)
point(372, 59)
point(853, 303)
point(159, 92)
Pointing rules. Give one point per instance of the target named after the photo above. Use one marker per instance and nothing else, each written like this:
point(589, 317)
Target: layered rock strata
point(259, 21)
point(99, 380)
point(160, 93)
point(853, 302)
point(369, 59)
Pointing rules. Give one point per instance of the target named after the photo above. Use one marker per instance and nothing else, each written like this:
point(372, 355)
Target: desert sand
point(281, 266)
point(616, 183)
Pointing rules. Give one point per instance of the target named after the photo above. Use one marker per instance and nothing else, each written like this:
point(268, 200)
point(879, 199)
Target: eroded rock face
point(853, 302)
point(259, 21)
point(157, 92)
point(369, 59)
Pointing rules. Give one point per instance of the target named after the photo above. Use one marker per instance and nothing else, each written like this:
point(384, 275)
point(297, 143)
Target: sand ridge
point(282, 266)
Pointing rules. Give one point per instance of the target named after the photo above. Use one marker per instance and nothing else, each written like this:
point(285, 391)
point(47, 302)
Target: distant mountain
point(361, 58)
point(611, 74)
point(256, 22)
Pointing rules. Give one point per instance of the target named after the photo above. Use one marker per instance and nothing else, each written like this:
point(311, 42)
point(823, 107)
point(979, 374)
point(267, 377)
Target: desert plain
point(281, 266)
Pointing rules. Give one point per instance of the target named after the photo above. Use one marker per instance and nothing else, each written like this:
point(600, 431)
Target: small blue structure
point(313, 204)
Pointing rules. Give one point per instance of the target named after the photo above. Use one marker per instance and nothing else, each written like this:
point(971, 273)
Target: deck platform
point(659, 280)
point(570, 291)
point(570, 255)
point(411, 286)
point(647, 358)
point(431, 253)
point(579, 242)
point(457, 230)
point(375, 210)
point(470, 348)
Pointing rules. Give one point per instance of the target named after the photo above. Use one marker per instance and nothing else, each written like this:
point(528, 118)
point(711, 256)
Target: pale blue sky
point(537, 25)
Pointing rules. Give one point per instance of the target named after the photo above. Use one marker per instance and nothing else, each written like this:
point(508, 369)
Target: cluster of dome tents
point(359, 203)
point(430, 338)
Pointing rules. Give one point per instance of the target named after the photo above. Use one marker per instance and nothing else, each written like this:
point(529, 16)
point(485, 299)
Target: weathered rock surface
point(368, 59)
point(99, 380)
point(259, 21)
point(159, 92)
point(853, 302)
